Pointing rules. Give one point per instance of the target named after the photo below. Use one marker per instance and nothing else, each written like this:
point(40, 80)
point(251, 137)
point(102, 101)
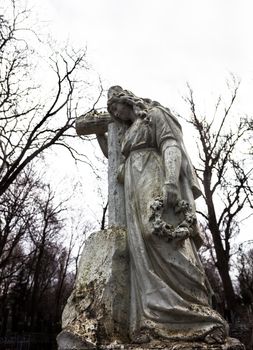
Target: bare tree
point(245, 274)
point(43, 232)
point(37, 262)
point(36, 268)
point(28, 125)
point(17, 213)
point(225, 175)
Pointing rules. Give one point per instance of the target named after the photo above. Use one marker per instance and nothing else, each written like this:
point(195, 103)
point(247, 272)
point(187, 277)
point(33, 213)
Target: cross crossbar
point(99, 125)
point(93, 124)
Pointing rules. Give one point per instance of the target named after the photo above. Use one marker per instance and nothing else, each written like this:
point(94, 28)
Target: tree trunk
point(34, 297)
point(222, 255)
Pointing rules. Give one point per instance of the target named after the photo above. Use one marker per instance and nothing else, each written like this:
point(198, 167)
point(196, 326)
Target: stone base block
point(68, 341)
point(96, 315)
point(97, 309)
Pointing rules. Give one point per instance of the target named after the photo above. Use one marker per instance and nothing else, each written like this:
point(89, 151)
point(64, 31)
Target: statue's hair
point(140, 105)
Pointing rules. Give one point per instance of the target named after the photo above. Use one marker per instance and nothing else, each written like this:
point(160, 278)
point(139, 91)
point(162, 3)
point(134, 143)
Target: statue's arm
point(170, 152)
point(103, 143)
point(172, 158)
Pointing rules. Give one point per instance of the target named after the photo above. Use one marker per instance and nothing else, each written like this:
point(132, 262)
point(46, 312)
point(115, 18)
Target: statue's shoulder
point(155, 113)
point(153, 116)
point(165, 115)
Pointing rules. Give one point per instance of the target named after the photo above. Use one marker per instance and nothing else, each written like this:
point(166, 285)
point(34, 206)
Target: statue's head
point(123, 103)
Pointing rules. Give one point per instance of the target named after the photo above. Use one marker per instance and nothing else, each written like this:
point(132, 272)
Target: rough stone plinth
point(97, 309)
point(230, 344)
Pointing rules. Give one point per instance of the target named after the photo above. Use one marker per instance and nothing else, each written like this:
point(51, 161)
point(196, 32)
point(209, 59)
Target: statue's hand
point(121, 173)
point(170, 194)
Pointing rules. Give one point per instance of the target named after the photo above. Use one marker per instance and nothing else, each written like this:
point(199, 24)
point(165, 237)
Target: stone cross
point(100, 124)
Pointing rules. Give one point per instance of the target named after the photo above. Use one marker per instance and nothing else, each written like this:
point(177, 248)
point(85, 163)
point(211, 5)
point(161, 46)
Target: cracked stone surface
point(97, 309)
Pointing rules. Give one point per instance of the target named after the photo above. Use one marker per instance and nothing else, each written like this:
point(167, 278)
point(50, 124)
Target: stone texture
point(97, 310)
point(93, 124)
point(230, 344)
point(117, 212)
point(99, 124)
point(169, 293)
point(169, 296)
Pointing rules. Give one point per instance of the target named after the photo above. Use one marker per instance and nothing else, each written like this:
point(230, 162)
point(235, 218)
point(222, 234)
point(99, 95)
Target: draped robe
point(169, 293)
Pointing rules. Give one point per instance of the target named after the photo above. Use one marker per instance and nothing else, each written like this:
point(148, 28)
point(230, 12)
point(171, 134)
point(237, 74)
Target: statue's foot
point(141, 337)
point(216, 336)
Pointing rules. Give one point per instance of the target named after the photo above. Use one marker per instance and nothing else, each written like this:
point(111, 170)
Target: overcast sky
point(153, 47)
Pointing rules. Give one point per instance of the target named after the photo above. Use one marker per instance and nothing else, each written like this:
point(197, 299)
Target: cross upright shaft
point(99, 125)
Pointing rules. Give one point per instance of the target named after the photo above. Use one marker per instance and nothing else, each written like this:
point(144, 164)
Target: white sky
point(153, 47)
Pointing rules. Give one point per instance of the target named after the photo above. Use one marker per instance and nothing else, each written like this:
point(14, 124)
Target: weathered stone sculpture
point(168, 302)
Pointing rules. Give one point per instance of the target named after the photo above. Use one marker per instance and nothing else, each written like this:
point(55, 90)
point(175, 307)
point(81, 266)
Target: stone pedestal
point(230, 344)
point(97, 310)
point(77, 344)
point(96, 315)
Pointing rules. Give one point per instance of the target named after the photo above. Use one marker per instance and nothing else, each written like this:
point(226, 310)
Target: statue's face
point(123, 112)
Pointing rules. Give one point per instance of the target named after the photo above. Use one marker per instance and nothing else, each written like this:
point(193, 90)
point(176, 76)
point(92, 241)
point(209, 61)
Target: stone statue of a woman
point(169, 291)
